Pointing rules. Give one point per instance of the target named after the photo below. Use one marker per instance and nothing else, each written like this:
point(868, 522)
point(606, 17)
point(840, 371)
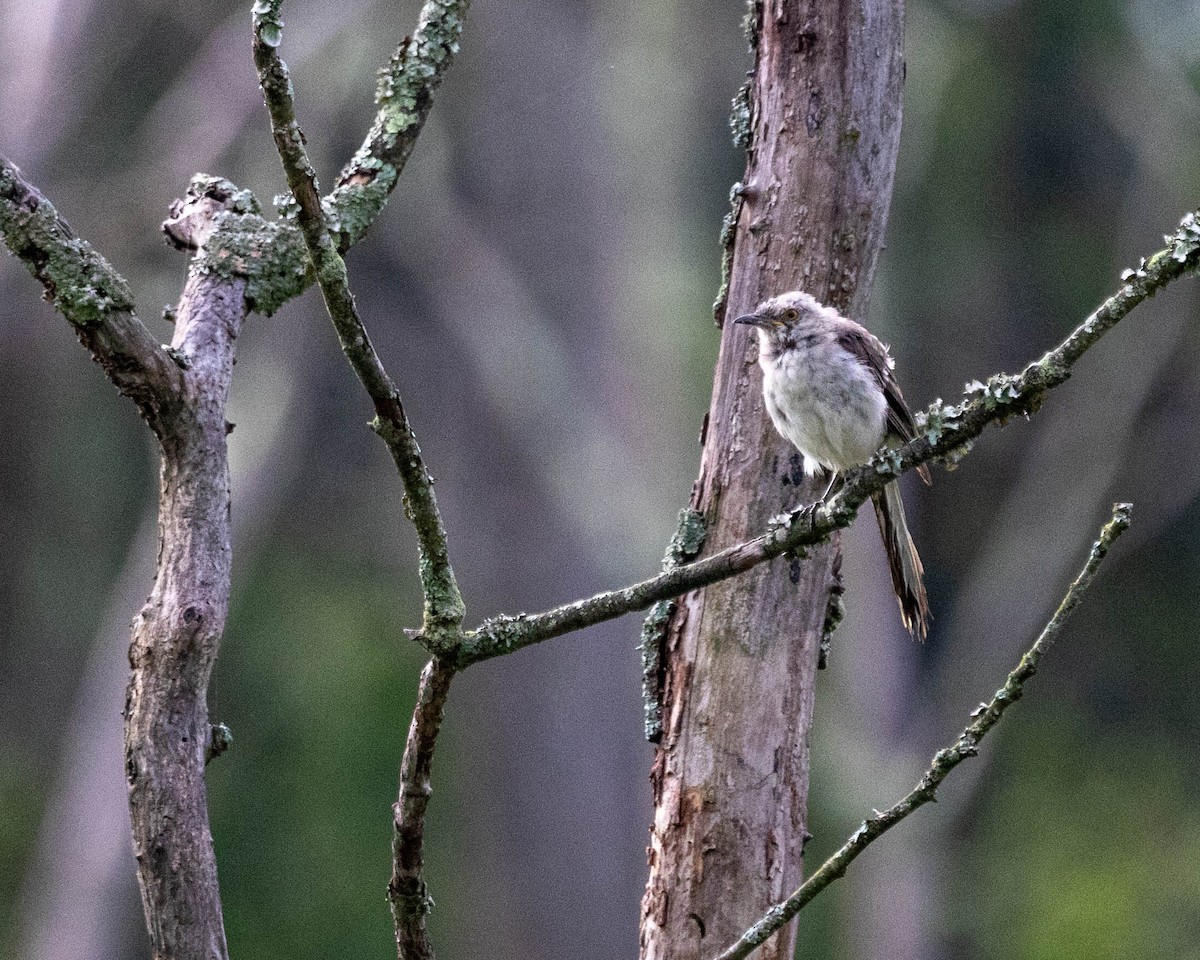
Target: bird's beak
point(752, 320)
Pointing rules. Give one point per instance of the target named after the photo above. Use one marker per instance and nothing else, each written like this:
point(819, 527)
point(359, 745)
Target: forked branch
point(444, 608)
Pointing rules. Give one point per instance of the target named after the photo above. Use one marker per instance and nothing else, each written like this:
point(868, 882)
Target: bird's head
point(777, 319)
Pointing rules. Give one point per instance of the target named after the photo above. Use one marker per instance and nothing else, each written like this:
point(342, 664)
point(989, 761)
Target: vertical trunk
point(176, 635)
point(731, 777)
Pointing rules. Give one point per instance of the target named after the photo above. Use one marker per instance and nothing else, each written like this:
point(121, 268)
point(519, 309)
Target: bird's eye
point(793, 314)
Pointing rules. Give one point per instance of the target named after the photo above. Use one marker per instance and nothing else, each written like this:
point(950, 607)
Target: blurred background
point(540, 285)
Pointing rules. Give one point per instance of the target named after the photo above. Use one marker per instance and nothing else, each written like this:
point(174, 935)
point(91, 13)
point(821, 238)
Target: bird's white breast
point(827, 403)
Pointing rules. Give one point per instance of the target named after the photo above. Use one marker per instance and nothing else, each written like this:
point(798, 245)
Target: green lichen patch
point(270, 257)
point(405, 88)
point(752, 23)
point(1001, 390)
point(1184, 243)
point(728, 235)
point(350, 211)
point(226, 192)
point(685, 545)
point(740, 117)
point(268, 25)
point(404, 96)
point(77, 280)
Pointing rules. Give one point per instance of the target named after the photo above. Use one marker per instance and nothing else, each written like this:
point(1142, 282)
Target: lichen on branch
point(444, 608)
point(404, 97)
point(92, 296)
point(947, 432)
point(441, 628)
point(78, 281)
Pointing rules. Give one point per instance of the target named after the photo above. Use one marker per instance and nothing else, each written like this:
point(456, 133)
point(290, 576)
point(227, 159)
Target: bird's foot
point(809, 512)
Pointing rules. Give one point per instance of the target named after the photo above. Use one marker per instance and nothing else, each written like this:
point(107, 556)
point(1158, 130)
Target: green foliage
point(1081, 856)
point(316, 682)
point(20, 799)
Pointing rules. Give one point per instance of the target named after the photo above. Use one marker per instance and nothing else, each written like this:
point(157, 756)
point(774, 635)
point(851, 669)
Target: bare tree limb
point(404, 97)
point(948, 432)
point(407, 890)
point(90, 294)
point(177, 634)
point(241, 263)
point(444, 609)
point(182, 392)
point(946, 759)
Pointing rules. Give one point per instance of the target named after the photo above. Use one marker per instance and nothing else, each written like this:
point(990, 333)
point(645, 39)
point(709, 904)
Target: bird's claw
point(809, 512)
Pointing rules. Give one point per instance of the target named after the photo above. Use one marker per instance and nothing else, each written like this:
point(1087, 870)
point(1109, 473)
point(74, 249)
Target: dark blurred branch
point(948, 433)
point(444, 608)
point(407, 891)
point(945, 760)
point(90, 294)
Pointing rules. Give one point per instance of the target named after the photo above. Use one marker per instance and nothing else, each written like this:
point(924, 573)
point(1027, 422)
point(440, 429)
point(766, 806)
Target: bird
point(829, 389)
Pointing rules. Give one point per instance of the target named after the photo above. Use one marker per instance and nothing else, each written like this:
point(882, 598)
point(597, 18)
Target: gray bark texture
point(730, 779)
point(176, 636)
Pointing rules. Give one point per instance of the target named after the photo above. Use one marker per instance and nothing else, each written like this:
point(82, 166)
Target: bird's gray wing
point(872, 354)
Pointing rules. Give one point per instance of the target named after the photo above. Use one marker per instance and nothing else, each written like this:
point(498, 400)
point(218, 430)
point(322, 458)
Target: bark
point(407, 891)
point(176, 636)
point(731, 776)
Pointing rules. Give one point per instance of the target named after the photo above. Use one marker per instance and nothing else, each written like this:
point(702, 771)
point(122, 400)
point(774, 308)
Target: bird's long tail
point(907, 572)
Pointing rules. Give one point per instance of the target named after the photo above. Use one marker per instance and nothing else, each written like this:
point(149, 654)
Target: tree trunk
point(740, 657)
point(176, 636)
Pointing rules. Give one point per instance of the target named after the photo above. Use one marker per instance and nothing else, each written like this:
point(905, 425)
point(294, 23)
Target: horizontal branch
point(444, 608)
point(89, 293)
point(947, 434)
point(945, 760)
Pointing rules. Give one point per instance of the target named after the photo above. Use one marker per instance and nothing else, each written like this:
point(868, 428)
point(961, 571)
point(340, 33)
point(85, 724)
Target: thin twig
point(948, 432)
point(945, 760)
point(407, 890)
point(444, 608)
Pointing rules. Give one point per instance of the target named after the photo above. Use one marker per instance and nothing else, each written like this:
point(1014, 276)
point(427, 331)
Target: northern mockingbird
point(829, 390)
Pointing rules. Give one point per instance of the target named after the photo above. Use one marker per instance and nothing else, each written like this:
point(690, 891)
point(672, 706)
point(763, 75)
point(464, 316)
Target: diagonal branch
point(93, 297)
point(967, 745)
point(948, 433)
point(444, 608)
point(404, 97)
